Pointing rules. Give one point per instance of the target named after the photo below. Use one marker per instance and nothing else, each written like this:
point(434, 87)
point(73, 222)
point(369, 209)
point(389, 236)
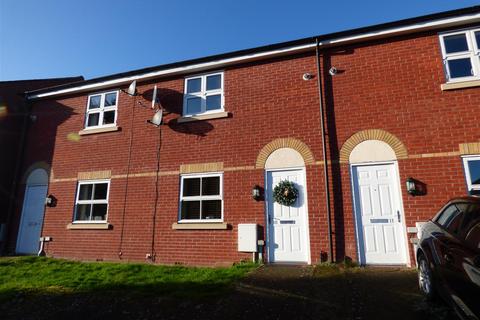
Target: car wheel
point(425, 278)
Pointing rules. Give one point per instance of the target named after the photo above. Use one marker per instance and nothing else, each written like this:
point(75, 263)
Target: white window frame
point(92, 202)
point(468, 177)
point(473, 53)
point(203, 94)
point(101, 110)
point(200, 198)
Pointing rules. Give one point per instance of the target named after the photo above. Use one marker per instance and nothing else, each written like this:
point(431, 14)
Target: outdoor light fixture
point(333, 71)
point(307, 76)
point(257, 192)
point(415, 187)
point(51, 201)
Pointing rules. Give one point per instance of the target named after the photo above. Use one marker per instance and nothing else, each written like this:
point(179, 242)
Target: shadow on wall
point(172, 103)
point(41, 135)
point(336, 172)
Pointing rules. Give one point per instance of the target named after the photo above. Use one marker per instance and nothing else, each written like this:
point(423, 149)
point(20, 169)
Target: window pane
point(194, 85)
point(110, 99)
point(83, 212)
point(455, 43)
point(474, 169)
point(210, 186)
point(99, 212)
point(214, 82)
point(471, 217)
point(85, 192)
point(460, 68)
point(93, 119)
point(100, 191)
point(191, 187)
point(109, 117)
point(477, 37)
point(472, 238)
point(214, 102)
point(94, 102)
point(450, 219)
point(190, 210)
point(212, 209)
point(194, 105)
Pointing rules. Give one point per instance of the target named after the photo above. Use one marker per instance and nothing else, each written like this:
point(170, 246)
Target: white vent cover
point(247, 237)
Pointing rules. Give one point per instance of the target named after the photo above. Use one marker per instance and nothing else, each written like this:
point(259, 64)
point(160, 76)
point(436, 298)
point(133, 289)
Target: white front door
point(379, 217)
point(32, 219)
point(288, 238)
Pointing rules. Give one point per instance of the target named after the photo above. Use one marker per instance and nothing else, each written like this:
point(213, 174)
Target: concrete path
point(292, 292)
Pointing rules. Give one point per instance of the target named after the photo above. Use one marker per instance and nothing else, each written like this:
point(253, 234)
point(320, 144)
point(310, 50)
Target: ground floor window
point(91, 203)
point(201, 198)
point(472, 173)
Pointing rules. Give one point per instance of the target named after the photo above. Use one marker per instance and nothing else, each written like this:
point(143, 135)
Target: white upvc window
point(471, 165)
point(101, 110)
point(203, 94)
point(461, 54)
point(201, 198)
point(91, 204)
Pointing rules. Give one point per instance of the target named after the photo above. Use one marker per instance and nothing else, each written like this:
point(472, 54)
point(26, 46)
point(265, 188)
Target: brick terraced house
point(400, 103)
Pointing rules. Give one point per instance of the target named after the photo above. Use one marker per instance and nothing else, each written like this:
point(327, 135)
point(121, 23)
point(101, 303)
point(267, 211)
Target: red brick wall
point(392, 85)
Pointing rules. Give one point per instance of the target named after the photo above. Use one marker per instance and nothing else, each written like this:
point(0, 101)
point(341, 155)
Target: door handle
point(398, 215)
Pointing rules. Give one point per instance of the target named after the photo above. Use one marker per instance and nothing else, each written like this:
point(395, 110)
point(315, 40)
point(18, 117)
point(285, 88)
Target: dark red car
point(448, 256)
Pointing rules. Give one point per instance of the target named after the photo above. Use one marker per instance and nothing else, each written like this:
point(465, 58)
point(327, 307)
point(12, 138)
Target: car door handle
point(448, 257)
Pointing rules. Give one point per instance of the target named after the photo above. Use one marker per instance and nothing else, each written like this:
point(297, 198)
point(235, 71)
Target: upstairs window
point(102, 110)
point(201, 198)
point(460, 52)
point(203, 94)
point(472, 174)
point(91, 204)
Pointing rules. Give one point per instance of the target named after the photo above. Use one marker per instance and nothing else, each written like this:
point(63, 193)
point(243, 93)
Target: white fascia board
point(423, 26)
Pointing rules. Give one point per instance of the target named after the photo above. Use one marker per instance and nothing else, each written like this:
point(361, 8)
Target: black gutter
point(324, 150)
point(277, 46)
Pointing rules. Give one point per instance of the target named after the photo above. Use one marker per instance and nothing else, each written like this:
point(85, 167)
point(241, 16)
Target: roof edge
point(405, 26)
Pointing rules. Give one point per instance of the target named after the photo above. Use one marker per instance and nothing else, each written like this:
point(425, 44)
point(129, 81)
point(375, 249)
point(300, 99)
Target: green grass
point(36, 275)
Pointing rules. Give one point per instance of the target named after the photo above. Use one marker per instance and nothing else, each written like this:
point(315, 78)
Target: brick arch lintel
point(373, 134)
point(276, 144)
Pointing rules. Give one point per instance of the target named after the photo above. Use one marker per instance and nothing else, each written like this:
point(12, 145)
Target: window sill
point(216, 115)
point(200, 226)
point(460, 85)
point(89, 226)
point(98, 130)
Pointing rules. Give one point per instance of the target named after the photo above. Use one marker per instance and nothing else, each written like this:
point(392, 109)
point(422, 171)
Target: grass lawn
point(36, 275)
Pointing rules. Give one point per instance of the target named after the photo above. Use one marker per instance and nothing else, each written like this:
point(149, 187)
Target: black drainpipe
point(324, 147)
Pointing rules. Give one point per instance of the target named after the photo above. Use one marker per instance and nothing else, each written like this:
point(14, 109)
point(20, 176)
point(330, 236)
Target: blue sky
point(58, 38)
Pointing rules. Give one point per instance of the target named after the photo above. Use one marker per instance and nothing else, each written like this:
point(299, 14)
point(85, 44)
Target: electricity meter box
point(247, 237)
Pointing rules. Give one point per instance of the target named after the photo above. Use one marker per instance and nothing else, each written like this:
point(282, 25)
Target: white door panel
point(287, 224)
point(378, 214)
point(32, 219)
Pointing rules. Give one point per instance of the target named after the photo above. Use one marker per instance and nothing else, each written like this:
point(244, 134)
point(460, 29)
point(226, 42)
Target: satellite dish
point(157, 118)
point(132, 89)
point(154, 98)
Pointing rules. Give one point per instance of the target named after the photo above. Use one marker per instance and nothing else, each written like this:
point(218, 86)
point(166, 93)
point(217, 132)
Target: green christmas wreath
point(285, 193)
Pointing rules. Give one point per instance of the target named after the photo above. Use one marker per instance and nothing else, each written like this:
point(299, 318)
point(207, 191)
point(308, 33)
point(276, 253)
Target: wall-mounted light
point(333, 71)
point(307, 76)
point(415, 187)
point(257, 192)
point(51, 201)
